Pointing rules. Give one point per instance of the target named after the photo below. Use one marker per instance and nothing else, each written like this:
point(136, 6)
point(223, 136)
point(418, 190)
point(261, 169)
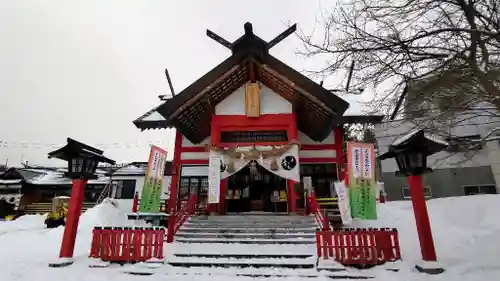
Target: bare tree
point(451, 45)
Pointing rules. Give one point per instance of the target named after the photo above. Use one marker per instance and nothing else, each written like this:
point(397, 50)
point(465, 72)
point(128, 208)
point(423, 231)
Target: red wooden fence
point(359, 246)
point(127, 244)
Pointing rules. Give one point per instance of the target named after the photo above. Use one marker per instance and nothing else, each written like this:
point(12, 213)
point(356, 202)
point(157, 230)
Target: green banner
point(148, 198)
point(153, 183)
point(363, 200)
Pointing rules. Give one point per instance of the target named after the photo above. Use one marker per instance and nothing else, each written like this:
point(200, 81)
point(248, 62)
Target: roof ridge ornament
point(251, 37)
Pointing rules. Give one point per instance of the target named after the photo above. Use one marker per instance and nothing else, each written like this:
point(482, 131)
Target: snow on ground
point(466, 232)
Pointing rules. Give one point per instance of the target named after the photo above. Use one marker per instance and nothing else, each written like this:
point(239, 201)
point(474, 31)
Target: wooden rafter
point(207, 89)
point(251, 72)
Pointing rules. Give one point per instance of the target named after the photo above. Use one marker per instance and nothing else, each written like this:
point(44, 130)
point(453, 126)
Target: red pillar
point(176, 169)
point(422, 218)
point(135, 203)
point(222, 198)
point(72, 219)
point(292, 196)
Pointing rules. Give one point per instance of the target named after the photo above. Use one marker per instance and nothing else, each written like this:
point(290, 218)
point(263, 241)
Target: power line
point(47, 145)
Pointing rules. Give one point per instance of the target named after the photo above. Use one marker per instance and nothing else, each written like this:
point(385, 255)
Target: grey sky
point(87, 69)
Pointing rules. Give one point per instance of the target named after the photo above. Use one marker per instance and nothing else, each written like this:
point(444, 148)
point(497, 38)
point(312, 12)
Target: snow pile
point(466, 231)
point(27, 238)
point(104, 214)
point(28, 222)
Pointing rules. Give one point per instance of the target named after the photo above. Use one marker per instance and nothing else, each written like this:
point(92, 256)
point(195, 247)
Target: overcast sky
point(87, 69)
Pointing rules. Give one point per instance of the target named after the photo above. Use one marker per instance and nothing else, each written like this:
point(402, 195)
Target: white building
point(468, 167)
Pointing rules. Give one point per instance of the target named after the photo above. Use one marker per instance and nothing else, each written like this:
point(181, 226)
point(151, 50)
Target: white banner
point(343, 201)
point(288, 164)
point(308, 183)
point(366, 155)
point(356, 162)
point(214, 176)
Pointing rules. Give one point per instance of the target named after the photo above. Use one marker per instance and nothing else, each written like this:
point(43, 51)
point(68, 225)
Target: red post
point(72, 219)
point(292, 197)
point(176, 166)
point(422, 218)
point(382, 196)
point(135, 203)
point(171, 227)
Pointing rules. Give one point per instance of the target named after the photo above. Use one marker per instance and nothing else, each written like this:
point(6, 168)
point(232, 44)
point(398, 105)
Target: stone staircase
point(245, 241)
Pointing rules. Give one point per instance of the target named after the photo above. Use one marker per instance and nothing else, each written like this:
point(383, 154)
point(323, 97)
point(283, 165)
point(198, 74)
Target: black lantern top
point(82, 159)
point(411, 152)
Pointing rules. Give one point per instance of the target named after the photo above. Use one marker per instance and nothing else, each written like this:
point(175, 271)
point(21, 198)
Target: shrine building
point(269, 125)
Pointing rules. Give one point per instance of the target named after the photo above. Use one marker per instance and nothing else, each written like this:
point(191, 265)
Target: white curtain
point(288, 164)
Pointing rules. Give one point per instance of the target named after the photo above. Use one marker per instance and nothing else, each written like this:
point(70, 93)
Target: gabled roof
point(316, 107)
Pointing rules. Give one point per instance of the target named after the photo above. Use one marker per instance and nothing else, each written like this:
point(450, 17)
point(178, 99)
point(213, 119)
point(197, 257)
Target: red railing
point(176, 221)
point(313, 208)
point(127, 244)
point(359, 246)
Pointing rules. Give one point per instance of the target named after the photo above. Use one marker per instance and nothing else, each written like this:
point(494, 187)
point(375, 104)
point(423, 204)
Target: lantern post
point(82, 163)
point(410, 153)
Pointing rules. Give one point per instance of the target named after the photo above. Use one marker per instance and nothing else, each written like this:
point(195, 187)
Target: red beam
point(318, 146)
point(306, 160)
point(194, 162)
point(193, 149)
point(302, 160)
point(266, 122)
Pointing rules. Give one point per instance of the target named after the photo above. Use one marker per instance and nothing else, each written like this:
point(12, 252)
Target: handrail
point(176, 220)
point(314, 208)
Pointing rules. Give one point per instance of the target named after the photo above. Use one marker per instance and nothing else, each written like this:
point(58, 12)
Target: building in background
point(128, 179)
point(470, 166)
point(31, 189)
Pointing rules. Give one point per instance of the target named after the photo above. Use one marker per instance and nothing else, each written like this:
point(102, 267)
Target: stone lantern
point(410, 153)
point(82, 162)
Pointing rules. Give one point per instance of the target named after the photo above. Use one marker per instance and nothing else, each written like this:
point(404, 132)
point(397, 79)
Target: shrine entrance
point(254, 188)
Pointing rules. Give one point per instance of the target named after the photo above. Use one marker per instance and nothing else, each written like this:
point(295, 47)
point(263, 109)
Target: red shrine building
point(269, 125)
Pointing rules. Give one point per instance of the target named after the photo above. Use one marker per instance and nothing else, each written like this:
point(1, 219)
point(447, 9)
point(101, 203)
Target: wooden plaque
point(252, 100)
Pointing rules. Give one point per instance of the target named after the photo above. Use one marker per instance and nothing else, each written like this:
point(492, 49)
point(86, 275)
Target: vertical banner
point(153, 182)
point(343, 201)
point(361, 179)
point(214, 175)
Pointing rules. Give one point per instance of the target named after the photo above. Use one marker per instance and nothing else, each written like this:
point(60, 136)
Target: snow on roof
point(131, 170)
point(5, 182)
point(428, 136)
point(359, 104)
point(153, 116)
point(50, 177)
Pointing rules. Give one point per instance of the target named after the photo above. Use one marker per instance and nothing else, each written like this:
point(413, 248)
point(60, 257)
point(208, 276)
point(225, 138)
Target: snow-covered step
point(252, 262)
point(265, 235)
point(234, 249)
point(246, 256)
point(190, 229)
point(250, 225)
point(229, 218)
point(246, 240)
point(252, 218)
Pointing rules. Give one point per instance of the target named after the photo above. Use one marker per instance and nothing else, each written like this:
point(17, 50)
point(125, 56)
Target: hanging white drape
point(288, 164)
point(224, 162)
